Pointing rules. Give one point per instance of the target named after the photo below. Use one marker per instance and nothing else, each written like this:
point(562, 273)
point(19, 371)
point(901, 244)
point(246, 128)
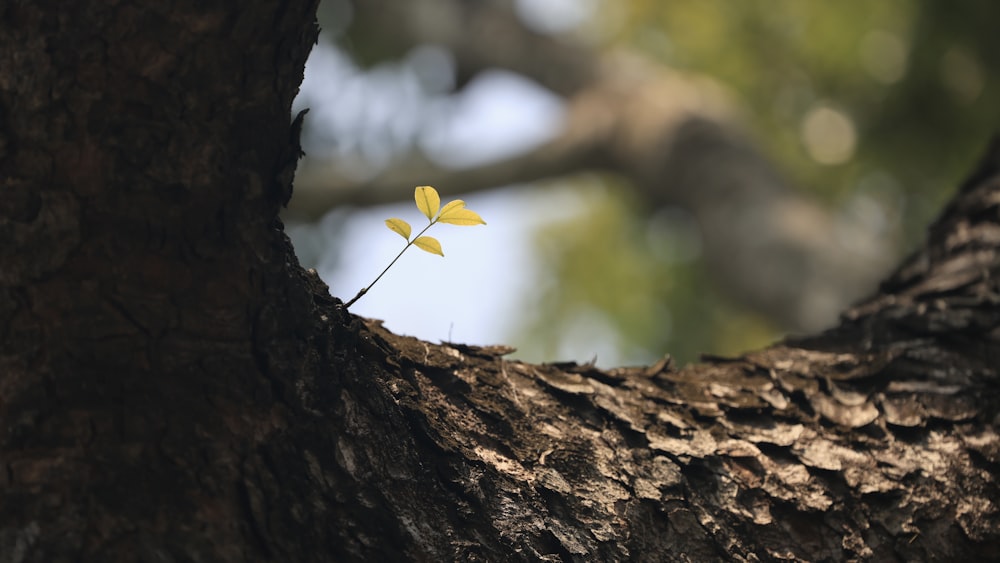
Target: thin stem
point(408, 245)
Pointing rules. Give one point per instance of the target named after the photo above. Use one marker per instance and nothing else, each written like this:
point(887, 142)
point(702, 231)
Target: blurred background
point(683, 177)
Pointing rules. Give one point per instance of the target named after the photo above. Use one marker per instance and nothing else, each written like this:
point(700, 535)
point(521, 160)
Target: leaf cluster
point(429, 203)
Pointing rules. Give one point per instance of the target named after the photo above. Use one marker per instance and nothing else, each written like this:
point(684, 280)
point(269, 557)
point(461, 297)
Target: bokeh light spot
point(829, 135)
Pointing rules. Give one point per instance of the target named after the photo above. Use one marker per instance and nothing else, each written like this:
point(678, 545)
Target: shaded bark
point(175, 387)
point(147, 310)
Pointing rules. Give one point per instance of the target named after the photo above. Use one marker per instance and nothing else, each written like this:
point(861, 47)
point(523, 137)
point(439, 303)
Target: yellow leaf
point(461, 216)
point(451, 205)
point(399, 226)
point(429, 244)
point(428, 201)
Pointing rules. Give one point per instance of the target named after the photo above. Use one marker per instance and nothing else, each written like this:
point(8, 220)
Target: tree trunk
point(173, 387)
point(151, 318)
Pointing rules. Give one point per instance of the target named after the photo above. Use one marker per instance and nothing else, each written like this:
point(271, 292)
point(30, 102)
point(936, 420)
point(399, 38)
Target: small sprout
point(429, 203)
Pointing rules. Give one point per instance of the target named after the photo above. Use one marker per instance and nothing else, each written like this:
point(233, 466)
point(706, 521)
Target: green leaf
point(428, 201)
point(399, 226)
point(460, 216)
point(429, 244)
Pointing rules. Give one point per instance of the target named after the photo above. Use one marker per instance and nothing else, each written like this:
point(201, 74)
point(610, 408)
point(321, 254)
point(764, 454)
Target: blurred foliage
point(916, 79)
point(893, 99)
point(637, 274)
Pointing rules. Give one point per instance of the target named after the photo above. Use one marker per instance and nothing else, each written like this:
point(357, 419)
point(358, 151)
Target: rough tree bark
point(173, 387)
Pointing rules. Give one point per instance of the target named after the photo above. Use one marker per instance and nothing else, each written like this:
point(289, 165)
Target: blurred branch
point(620, 123)
point(320, 186)
point(480, 34)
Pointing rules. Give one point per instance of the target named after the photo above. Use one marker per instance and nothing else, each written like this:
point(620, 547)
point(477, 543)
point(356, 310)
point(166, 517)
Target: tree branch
point(873, 441)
